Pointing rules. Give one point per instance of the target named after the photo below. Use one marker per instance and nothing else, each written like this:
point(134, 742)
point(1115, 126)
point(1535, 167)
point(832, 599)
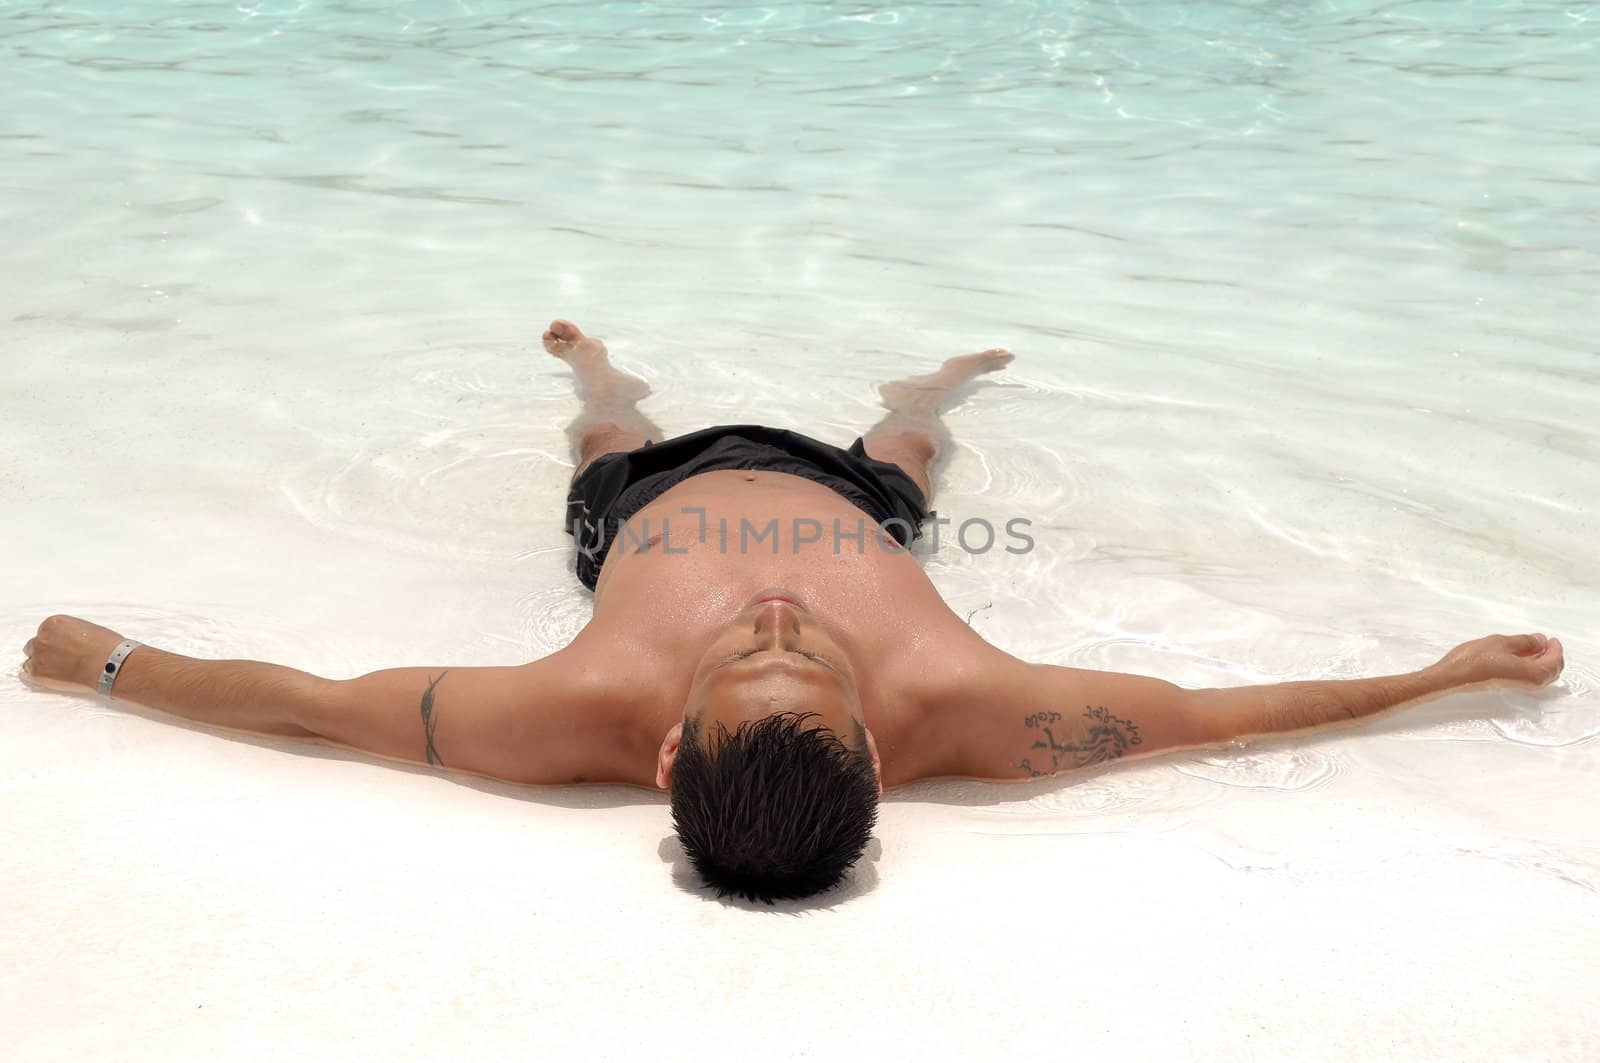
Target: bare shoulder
point(627, 694)
point(930, 699)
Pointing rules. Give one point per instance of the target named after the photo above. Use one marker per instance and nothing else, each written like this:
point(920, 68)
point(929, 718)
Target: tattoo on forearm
point(1105, 737)
point(429, 721)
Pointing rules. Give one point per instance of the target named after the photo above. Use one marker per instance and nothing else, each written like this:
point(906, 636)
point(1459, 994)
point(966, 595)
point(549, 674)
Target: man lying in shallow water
point(762, 645)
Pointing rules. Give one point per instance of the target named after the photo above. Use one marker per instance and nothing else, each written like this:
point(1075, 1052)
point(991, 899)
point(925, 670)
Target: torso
point(658, 607)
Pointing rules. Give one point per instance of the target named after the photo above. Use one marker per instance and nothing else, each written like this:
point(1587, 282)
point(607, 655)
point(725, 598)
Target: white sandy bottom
point(187, 897)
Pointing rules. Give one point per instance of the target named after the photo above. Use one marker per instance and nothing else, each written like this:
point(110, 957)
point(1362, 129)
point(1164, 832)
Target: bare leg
point(609, 420)
point(911, 435)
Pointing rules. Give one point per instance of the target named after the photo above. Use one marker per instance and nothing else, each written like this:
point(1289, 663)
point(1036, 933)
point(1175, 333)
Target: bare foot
point(966, 366)
point(926, 392)
point(566, 340)
point(598, 380)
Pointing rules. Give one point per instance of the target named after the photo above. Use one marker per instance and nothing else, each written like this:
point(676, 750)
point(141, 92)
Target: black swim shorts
point(616, 486)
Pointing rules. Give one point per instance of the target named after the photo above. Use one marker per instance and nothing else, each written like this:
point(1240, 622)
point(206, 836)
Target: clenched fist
point(1527, 660)
point(68, 654)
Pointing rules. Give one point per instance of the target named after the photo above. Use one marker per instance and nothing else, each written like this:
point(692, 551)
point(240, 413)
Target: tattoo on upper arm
point(429, 721)
point(1104, 737)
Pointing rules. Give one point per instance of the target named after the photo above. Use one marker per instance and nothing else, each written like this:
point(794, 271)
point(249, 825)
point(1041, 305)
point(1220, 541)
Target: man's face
point(773, 656)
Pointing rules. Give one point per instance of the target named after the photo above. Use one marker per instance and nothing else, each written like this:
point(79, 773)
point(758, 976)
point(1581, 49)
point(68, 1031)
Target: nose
point(776, 625)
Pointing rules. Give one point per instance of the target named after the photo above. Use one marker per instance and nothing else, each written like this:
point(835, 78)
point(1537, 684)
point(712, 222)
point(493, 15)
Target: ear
point(669, 753)
point(877, 764)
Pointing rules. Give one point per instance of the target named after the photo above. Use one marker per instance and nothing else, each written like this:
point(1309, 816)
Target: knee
point(593, 436)
point(599, 438)
point(606, 437)
point(921, 446)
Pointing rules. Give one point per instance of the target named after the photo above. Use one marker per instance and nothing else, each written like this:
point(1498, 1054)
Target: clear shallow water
point(1302, 297)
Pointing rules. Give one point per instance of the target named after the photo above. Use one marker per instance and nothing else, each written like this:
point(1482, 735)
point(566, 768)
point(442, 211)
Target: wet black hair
point(770, 811)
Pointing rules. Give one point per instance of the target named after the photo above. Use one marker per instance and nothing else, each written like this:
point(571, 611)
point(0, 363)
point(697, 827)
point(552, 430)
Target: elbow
point(1215, 716)
point(316, 706)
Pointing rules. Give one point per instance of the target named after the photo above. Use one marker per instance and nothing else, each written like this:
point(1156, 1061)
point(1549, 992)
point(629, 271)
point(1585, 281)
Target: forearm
point(1234, 712)
point(245, 695)
point(540, 722)
point(393, 713)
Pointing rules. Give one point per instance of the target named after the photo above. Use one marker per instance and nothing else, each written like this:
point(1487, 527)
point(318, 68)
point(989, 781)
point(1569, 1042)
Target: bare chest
point(696, 555)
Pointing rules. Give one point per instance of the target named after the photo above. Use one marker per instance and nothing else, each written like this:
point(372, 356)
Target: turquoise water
point(1304, 282)
point(1360, 172)
point(1302, 296)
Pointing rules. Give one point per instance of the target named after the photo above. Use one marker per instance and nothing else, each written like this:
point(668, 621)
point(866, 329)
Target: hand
point(68, 654)
point(1526, 660)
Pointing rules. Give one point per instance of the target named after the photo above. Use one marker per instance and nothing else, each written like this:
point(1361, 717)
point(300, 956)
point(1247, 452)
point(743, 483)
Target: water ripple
point(1265, 769)
point(1119, 790)
point(1560, 720)
point(1576, 865)
point(458, 492)
point(552, 617)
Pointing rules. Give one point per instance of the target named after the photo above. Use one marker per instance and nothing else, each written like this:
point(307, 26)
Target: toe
point(994, 359)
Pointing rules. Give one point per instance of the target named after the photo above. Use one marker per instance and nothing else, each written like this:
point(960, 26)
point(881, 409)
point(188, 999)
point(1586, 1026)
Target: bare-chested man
point(762, 646)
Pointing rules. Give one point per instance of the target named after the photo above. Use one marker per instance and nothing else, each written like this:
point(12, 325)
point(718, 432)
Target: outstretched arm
point(1044, 719)
point(532, 723)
